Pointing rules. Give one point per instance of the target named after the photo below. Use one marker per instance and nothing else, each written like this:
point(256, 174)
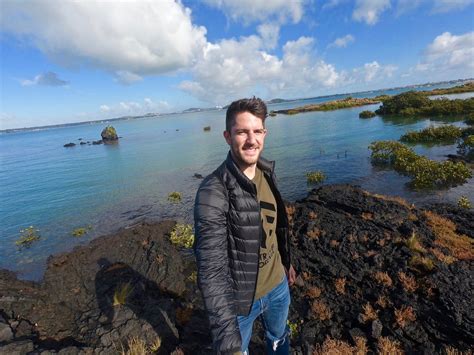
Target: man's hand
point(291, 275)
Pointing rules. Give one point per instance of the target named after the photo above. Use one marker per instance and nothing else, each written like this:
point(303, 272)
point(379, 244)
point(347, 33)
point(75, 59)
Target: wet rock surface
point(371, 269)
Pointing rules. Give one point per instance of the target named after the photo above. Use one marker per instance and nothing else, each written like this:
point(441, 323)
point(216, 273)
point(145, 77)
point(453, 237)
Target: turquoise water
point(58, 189)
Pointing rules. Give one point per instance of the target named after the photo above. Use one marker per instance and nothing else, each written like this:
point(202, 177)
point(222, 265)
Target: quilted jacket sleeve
point(210, 246)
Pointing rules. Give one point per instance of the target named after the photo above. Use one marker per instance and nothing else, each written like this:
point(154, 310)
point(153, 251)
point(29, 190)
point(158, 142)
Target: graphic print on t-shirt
point(268, 213)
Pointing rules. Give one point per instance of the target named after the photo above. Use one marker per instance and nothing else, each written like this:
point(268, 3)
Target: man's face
point(246, 139)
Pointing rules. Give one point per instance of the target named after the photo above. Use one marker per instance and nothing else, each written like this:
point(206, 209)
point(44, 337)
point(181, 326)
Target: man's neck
point(249, 171)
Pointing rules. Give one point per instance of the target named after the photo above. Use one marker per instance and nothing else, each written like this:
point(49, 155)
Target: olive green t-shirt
point(271, 269)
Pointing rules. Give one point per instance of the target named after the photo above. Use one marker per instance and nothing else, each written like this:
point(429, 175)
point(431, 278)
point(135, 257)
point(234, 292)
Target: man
point(242, 246)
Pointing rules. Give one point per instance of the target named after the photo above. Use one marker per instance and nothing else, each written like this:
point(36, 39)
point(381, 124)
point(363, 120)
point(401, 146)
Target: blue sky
point(69, 61)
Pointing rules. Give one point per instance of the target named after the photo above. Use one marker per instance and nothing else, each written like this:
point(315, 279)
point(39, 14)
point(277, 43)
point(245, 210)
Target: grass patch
point(315, 177)
point(138, 346)
point(404, 315)
point(464, 202)
point(321, 310)
point(339, 347)
point(386, 346)
point(459, 245)
point(383, 278)
point(174, 196)
point(340, 285)
point(121, 294)
point(367, 114)
point(414, 244)
point(408, 282)
point(81, 231)
point(425, 173)
point(28, 236)
point(182, 235)
point(369, 315)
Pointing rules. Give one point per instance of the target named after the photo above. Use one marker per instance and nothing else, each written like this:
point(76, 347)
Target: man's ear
point(227, 137)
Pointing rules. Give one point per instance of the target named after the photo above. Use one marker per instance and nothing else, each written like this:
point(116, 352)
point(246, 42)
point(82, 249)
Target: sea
point(104, 188)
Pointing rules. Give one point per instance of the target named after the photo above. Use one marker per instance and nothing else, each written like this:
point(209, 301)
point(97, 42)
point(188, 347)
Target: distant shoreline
point(273, 101)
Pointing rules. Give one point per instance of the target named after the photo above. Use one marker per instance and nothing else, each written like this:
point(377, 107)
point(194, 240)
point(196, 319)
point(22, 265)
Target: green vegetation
point(79, 232)
point(446, 134)
point(121, 294)
point(367, 114)
point(464, 202)
point(330, 106)
point(293, 326)
point(466, 146)
point(470, 120)
point(425, 173)
point(468, 87)
point(182, 235)
point(207, 128)
point(272, 114)
point(315, 177)
point(414, 103)
point(174, 196)
point(27, 237)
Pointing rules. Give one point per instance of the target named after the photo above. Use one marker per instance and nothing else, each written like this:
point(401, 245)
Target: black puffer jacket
point(228, 231)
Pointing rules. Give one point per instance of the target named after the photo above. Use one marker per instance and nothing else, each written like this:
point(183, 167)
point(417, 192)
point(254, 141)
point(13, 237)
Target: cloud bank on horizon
point(136, 57)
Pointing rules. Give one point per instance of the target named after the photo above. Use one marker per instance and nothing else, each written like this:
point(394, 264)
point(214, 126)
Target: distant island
point(407, 103)
point(272, 101)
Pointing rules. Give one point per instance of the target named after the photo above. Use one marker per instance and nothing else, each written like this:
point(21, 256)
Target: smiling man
point(242, 246)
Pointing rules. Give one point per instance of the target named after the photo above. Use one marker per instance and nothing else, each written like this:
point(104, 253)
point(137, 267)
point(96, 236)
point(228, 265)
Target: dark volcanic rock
point(69, 145)
point(370, 267)
point(76, 305)
point(369, 262)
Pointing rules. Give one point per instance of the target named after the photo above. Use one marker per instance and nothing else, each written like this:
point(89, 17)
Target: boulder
point(109, 134)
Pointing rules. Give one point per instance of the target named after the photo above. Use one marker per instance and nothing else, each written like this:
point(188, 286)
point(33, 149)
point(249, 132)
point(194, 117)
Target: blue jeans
point(273, 310)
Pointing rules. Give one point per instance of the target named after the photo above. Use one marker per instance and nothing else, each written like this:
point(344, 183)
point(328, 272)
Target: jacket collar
point(263, 164)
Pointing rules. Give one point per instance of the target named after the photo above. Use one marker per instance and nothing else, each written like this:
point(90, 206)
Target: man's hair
point(253, 105)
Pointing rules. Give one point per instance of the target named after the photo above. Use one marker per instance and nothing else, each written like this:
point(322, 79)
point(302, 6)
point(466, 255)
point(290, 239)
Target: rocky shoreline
point(375, 274)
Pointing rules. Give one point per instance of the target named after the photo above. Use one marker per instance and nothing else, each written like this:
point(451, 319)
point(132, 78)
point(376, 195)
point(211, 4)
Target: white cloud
point(342, 42)
point(269, 32)
point(332, 3)
point(104, 108)
point(134, 108)
point(450, 5)
point(126, 78)
point(373, 72)
point(369, 10)
point(236, 68)
point(249, 11)
point(45, 79)
point(449, 51)
point(139, 37)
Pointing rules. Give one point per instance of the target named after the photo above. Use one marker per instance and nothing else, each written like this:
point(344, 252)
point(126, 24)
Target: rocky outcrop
point(109, 134)
point(373, 271)
point(131, 284)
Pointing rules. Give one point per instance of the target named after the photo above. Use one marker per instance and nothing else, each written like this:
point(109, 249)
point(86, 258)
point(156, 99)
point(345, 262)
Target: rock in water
point(109, 134)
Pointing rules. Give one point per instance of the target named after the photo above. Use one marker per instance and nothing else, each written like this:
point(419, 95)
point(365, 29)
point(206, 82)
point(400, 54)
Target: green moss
point(315, 177)
point(182, 235)
point(27, 237)
point(79, 232)
point(367, 114)
point(425, 173)
point(174, 196)
point(443, 134)
point(464, 202)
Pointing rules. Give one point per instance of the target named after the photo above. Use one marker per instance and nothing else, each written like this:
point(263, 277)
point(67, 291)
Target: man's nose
point(251, 137)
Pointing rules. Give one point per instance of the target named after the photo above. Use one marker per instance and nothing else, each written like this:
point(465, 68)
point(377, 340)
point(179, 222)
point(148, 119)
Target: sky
point(64, 61)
